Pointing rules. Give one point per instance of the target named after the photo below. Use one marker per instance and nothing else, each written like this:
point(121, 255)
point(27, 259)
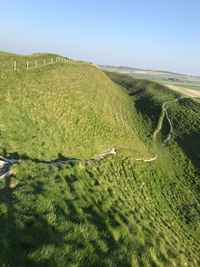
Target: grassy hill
point(7, 61)
point(71, 109)
point(117, 212)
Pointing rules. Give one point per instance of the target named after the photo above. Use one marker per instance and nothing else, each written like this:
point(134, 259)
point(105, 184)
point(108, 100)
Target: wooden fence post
point(15, 66)
point(44, 62)
point(27, 65)
point(35, 63)
point(51, 60)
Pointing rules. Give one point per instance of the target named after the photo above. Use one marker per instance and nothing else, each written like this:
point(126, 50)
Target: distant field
point(167, 78)
point(188, 83)
point(183, 90)
point(193, 86)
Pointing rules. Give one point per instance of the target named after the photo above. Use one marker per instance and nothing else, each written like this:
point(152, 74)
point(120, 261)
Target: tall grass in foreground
point(116, 213)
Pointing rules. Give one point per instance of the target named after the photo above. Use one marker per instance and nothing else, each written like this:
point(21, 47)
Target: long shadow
point(188, 138)
point(137, 93)
point(17, 156)
point(20, 237)
point(148, 108)
point(190, 144)
point(25, 230)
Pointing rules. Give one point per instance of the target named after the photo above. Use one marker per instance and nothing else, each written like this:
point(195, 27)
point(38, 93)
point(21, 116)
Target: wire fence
point(22, 64)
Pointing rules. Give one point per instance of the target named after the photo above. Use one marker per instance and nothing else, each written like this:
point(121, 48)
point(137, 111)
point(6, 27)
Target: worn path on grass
point(164, 113)
point(6, 164)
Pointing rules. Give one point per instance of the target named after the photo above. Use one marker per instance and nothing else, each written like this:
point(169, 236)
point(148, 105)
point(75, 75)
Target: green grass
point(7, 61)
point(114, 213)
point(118, 212)
point(65, 109)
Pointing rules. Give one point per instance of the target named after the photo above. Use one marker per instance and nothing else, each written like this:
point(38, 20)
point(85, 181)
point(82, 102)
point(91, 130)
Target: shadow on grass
point(148, 108)
point(25, 231)
point(17, 156)
point(190, 144)
point(21, 240)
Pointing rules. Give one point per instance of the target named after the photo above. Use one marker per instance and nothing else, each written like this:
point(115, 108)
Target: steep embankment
point(64, 110)
point(117, 212)
point(178, 129)
point(161, 112)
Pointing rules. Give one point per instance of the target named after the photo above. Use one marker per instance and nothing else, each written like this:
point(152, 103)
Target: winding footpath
point(6, 164)
point(164, 113)
point(170, 131)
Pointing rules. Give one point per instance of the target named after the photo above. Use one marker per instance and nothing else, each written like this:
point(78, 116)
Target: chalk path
point(6, 164)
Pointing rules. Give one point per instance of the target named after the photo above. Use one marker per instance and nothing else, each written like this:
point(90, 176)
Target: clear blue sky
point(156, 34)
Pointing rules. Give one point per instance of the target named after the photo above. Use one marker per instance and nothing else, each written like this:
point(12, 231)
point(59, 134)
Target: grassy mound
point(70, 110)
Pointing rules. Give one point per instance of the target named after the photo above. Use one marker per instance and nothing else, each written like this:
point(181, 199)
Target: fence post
point(15, 66)
point(51, 61)
point(35, 63)
point(44, 62)
point(27, 65)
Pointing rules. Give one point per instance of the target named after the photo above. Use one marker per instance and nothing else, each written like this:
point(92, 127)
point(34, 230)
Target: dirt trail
point(164, 113)
point(6, 164)
point(171, 129)
point(148, 160)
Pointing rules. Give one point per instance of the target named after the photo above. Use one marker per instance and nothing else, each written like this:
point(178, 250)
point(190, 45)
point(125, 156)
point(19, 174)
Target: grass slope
point(7, 61)
point(118, 212)
point(64, 110)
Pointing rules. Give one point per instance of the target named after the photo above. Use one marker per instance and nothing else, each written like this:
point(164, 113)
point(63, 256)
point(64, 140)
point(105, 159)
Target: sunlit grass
point(118, 212)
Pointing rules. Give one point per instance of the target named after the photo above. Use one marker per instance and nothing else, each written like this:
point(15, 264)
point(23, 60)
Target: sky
point(150, 34)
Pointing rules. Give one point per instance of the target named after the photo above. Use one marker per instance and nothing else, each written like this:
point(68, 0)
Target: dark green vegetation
point(118, 212)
